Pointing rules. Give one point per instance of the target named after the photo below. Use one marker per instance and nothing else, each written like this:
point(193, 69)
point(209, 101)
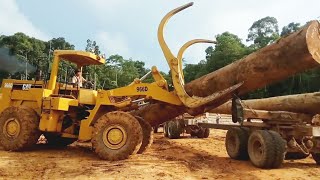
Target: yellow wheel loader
point(65, 113)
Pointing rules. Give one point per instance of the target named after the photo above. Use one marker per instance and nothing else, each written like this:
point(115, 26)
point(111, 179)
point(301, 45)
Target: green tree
point(228, 49)
point(290, 28)
point(93, 47)
point(194, 71)
point(59, 43)
point(27, 49)
point(263, 32)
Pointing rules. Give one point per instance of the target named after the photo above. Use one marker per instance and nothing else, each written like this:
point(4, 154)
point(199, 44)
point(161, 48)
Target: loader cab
point(63, 87)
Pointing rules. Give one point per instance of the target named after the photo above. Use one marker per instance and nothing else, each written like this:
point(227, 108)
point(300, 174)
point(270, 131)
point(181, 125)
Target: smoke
point(12, 64)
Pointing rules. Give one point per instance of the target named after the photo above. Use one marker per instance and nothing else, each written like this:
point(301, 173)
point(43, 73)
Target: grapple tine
point(196, 101)
point(175, 64)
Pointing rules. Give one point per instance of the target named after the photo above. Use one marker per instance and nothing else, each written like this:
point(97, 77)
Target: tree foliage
point(228, 48)
point(263, 32)
point(119, 72)
point(290, 28)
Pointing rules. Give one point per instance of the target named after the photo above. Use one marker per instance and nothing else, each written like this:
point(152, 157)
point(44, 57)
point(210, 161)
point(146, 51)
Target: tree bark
point(293, 54)
point(300, 103)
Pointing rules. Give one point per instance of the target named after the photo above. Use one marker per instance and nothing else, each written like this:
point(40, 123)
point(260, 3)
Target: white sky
point(129, 28)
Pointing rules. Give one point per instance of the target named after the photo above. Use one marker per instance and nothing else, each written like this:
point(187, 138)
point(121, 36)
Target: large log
point(301, 103)
point(293, 54)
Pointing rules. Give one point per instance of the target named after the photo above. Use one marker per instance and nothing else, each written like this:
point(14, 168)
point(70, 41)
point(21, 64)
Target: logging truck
point(269, 137)
point(186, 124)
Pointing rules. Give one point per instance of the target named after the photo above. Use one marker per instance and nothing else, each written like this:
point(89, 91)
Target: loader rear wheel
point(57, 140)
point(316, 157)
point(296, 155)
point(19, 128)
point(237, 143)
point(116, 136)
point(147, 132)
point(174, 130)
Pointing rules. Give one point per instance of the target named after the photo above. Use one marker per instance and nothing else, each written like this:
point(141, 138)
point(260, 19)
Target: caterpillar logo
point(26, 87)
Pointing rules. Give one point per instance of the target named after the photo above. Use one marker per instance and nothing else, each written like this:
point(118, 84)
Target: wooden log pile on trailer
point(308, 103)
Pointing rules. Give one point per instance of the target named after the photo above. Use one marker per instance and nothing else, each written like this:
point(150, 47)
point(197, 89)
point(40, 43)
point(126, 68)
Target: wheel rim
point(11, 127)
point(257, 149)
point(114, 137)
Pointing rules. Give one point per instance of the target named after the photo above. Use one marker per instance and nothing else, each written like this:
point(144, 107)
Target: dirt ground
point(187, 158)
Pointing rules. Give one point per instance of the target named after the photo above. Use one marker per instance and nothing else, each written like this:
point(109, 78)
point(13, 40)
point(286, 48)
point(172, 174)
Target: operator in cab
point(78, 80)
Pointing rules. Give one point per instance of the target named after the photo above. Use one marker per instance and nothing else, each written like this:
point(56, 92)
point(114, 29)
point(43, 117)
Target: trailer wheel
point(263, 150)
point(19, 128)
point(200, 133)
point(147, 132)
point(316, 157)
point(57, 140)
point(165, 129)
point(155, 129)
point(279, 148)
point(236, 143)
point(174, 130)
point(116, 136)
point(203, 132)
point(206, 132)
point(295, 155)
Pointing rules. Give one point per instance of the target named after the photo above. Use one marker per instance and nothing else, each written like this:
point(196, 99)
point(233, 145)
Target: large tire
point(155, 129)
point(58, 141)
point(200, 133)
point(316, 157)
point(147, 132)
point(237, 143)
point(296, 155)
point(261, 149)
point(116, 136)
point(193, 130)
point(206, 132)
point(19, 128)
point(279, 148)
point(165, 129)
point(174, 130)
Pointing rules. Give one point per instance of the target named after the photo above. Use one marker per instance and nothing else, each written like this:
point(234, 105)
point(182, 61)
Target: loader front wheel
point(116, 136)
point(19, 128)
point(147, 132)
